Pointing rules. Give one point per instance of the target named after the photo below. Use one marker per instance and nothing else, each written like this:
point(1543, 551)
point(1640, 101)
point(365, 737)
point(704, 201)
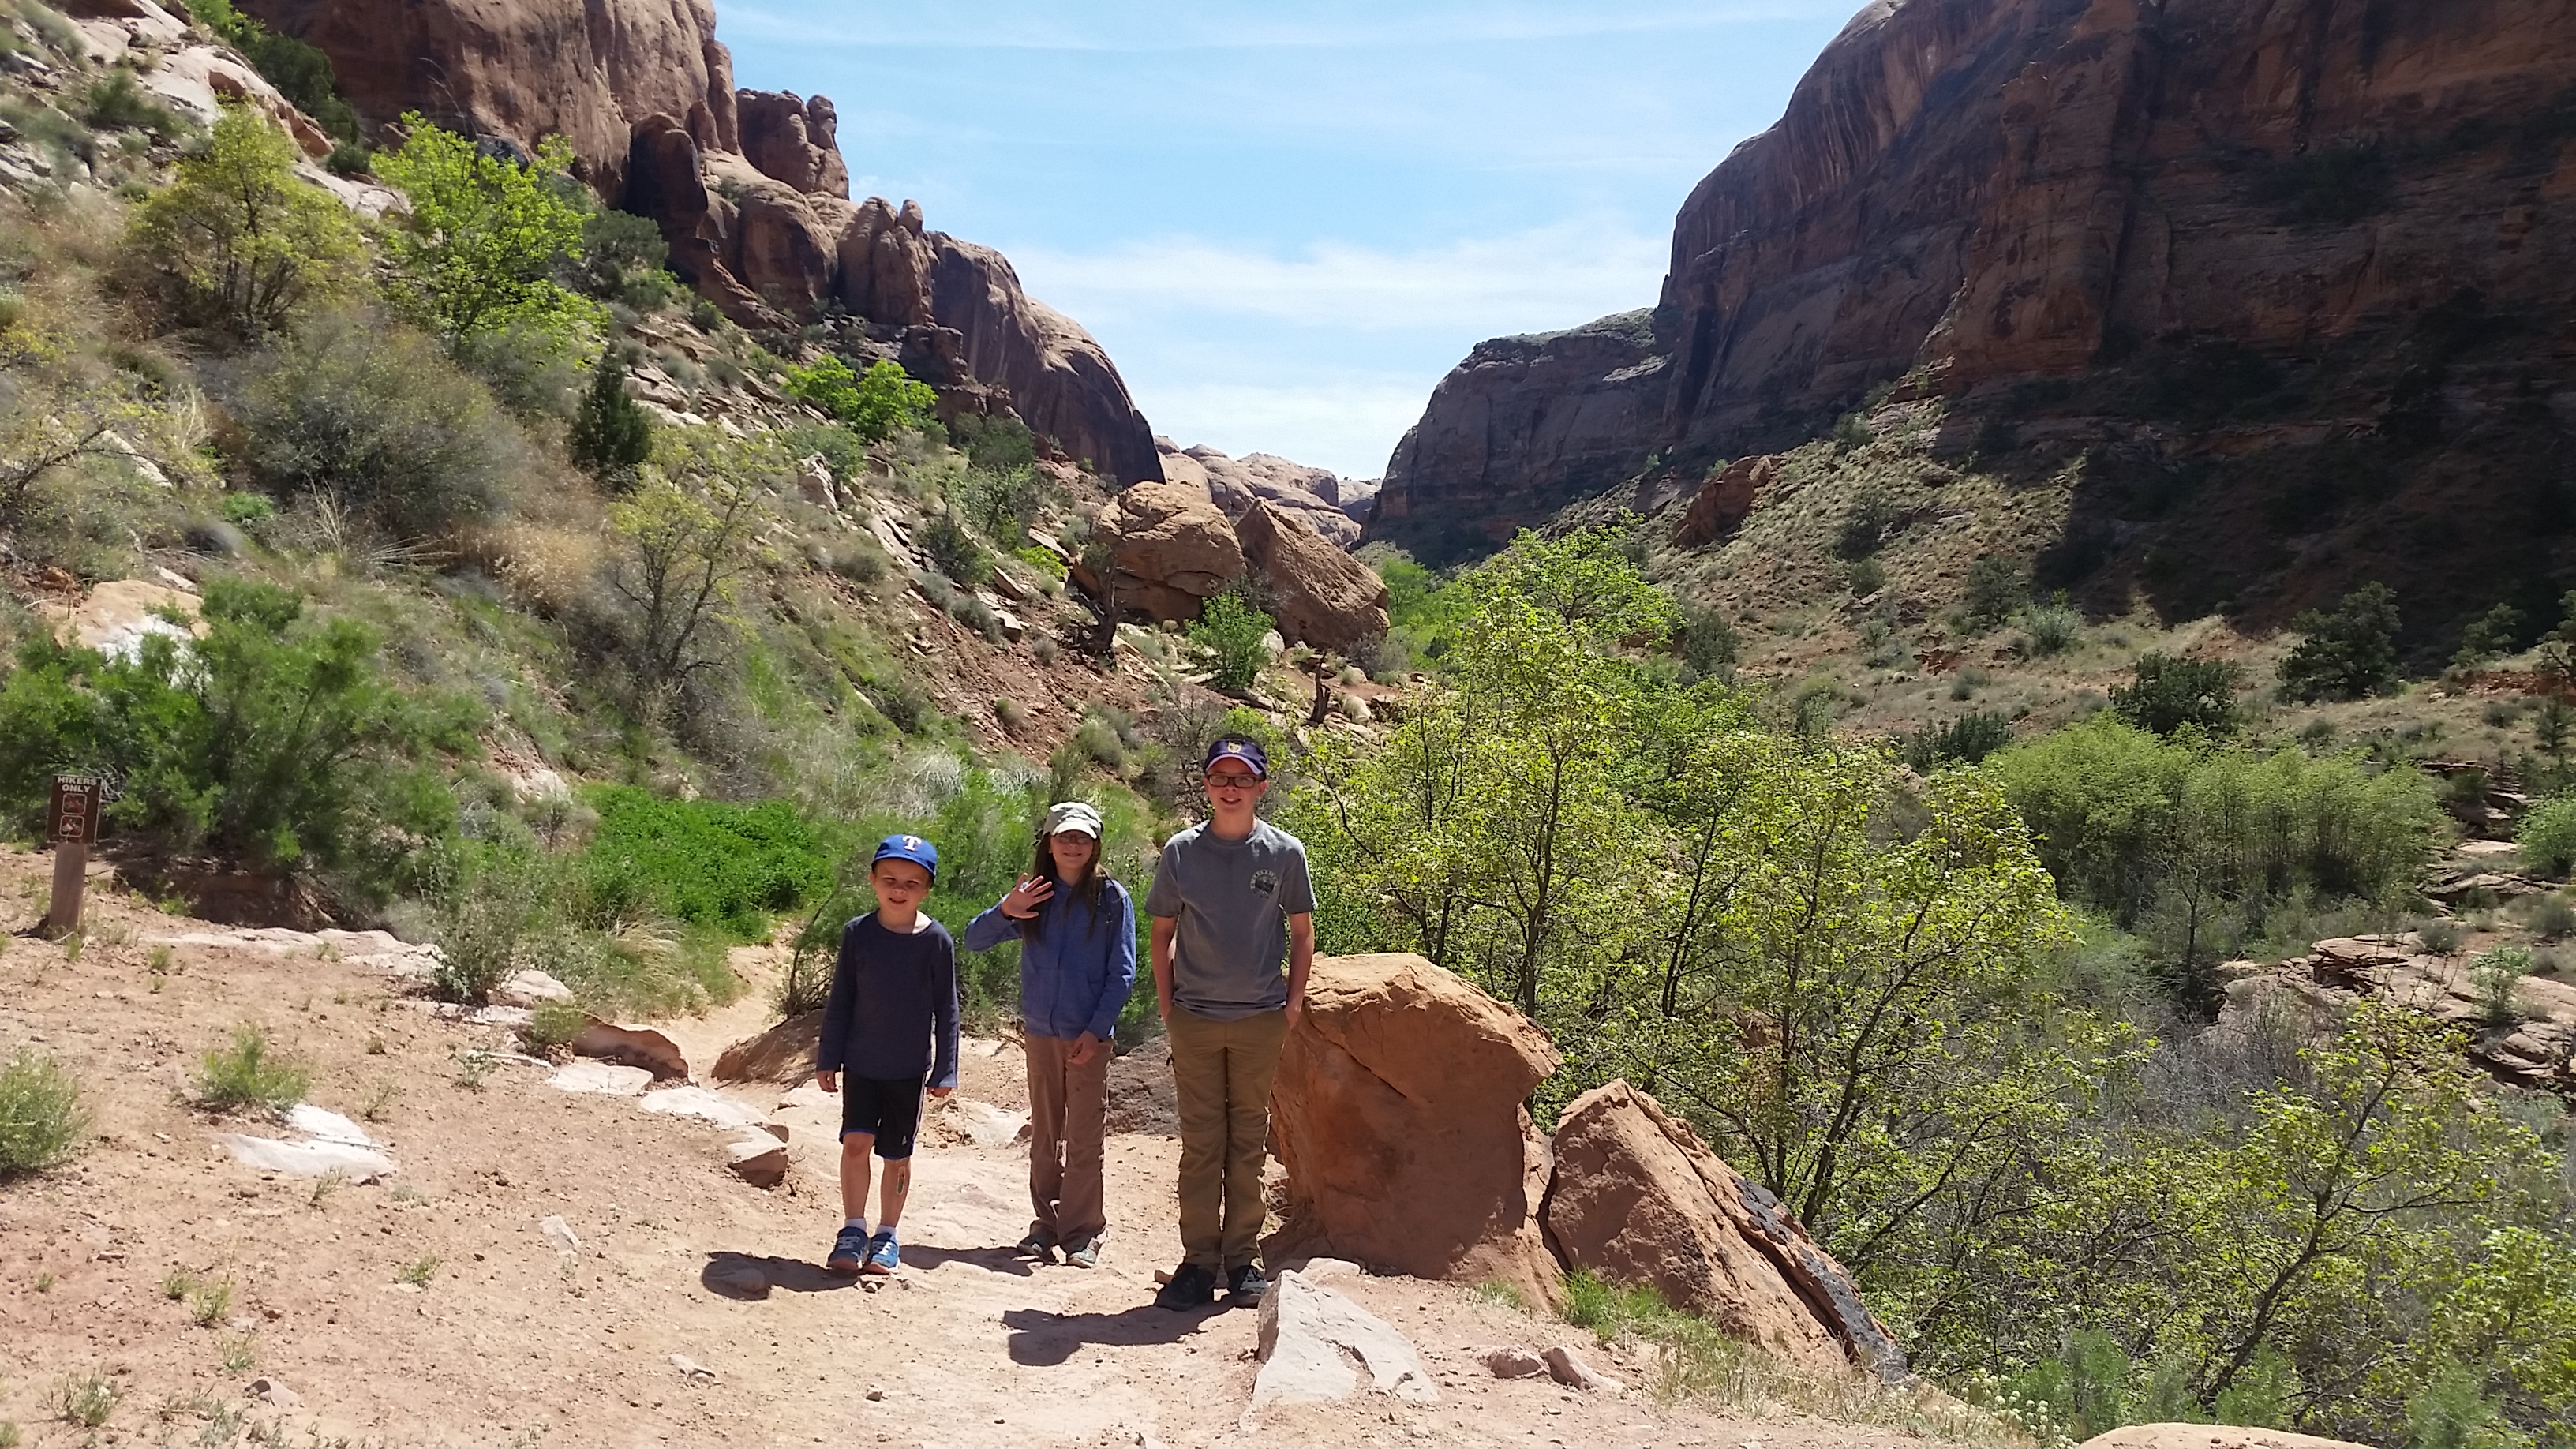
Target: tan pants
point(1068, 1115)
point(1221, 1071)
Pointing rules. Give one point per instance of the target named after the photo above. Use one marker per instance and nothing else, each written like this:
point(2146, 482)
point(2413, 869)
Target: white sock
point(860, 1223)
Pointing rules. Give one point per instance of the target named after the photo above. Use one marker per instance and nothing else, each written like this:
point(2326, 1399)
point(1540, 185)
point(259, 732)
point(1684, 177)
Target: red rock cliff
point(750, 188)
point(1978, 191)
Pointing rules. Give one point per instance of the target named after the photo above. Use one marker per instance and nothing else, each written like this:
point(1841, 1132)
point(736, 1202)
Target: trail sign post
point(71, 824)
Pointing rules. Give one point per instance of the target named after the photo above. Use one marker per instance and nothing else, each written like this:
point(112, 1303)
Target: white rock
point(560, 1233)
point(1311, 1336)
point(1325, 1270)
point(306, 1159)
point(986, 1125)
point(606, 1078)
point(1570, 1369)
point(530, 987)
point(275, 1394)
point(760, 1161)
point(329, 1126)
point(701, 1104)
point(691, 1368)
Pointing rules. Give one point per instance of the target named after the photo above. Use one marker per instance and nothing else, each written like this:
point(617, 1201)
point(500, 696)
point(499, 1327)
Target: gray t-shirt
point(1233, 899)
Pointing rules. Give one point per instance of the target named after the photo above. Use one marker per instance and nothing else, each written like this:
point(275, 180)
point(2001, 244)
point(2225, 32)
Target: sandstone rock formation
point(2209, 1436)
point(1967, 193)
point(1723, 501)
point(1314, 495)
point(1398, 1112)
point(1314, 1341)
point(783, 1054)
point(2310, 995)
point(1638, 1198)
point(1326, 597)
point(749, 188)
point(1173, 550)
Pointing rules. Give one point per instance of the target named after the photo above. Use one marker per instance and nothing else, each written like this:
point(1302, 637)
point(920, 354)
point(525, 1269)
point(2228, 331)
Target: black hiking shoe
point(1246, 1284)
point(1191, 1287)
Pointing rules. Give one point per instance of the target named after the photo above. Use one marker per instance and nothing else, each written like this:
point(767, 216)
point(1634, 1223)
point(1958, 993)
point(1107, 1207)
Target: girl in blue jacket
point(1077, 933)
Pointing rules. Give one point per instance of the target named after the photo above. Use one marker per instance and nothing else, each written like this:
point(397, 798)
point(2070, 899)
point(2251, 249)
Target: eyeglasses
point(1232, 781)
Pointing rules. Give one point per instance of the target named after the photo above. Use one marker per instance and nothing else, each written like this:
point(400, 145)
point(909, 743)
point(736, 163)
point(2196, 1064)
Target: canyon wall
point(749, 187)
point(1963, 195)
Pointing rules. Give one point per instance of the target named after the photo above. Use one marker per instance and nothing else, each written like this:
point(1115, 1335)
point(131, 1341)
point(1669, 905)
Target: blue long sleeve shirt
point(1075, 973)
point(893, 1012)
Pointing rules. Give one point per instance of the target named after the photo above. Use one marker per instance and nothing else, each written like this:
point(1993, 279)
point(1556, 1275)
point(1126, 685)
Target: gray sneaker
point(1083, 1252)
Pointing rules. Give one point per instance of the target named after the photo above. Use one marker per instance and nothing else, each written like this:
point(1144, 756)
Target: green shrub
point(1232, 632)
point(2165, 693)
point(2550, 915)
point(238, 238)
point(1865, 524)
point(611, 436)
point(1043, 560)
point(703, 861)
point(2547, 836)
point(873, 406)
point(1708, 644)
point(625, 259)
point(2347, 654)
point(377, 419)
point(1967, 740)
point(2488, 636)
point(248, 510)
point(115, 103)
point(1865, 578)
point(1996, 590)
point(1000, 504)
point(2492, 978)
point(41, 1121)
point(954, 551)
point(2441, 935)
point(2050, 629)
point(996, 444)
point(248, 1075)
point(273, 740)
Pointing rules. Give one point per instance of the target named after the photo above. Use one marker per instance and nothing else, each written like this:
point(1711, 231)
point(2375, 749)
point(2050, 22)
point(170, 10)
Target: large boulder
point(1723, 502)
point(1398, 1110)
point(1312, 494)
point(1326, 597)
point(794, 140)
point(1173, 549)
point(1637, 1198)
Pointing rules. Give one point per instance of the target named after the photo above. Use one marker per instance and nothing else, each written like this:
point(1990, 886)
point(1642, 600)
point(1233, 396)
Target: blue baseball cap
point(1244, 750)
point(908, 847)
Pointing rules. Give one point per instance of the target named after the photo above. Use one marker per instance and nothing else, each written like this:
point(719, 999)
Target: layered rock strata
point(749, 187)
point(1969, 193)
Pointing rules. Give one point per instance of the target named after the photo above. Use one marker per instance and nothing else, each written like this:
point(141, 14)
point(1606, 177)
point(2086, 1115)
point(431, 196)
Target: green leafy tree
point(2347, 654)
point(1996, 591)
point(480, 248)
point(273, 739)
point(873, 406)
point(2488, 636)
point(242, 240)
point(2165, 693)
point(682, 551)
point(610, 434)
point(1231, 631)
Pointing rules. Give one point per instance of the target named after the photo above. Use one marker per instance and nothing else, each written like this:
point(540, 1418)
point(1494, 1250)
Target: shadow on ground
point(1041, 1339)
point(731, 1275)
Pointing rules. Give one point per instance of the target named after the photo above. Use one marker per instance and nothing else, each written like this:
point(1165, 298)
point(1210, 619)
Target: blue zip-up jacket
point(1076, 973)
point(893, 1012)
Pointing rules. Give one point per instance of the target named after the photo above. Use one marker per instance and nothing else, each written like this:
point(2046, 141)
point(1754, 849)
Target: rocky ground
point(673, 1303)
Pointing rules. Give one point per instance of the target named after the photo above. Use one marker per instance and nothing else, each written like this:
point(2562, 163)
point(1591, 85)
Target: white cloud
point(1557, 276)
point(1348, 425)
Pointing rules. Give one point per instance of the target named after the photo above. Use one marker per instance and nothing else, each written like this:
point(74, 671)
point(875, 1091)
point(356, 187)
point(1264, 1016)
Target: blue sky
point(1287, 221)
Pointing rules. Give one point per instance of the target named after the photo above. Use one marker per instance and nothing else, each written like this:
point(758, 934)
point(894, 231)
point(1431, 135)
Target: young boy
point(1231, 905)
point(894, 998)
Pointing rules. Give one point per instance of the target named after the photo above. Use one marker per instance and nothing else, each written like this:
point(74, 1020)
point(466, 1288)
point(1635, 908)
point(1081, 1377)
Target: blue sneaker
point(883, 1255)
point(849, 1251)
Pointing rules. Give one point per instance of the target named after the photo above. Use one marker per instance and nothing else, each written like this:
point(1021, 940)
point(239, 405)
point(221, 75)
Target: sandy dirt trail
point(432, 1307)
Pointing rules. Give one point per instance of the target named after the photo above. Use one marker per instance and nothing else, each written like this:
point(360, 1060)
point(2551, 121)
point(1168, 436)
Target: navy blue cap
point(1244, 750)
point(908, 847)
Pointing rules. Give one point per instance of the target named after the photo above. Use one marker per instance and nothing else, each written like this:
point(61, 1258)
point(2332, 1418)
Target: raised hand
point(1032, 892)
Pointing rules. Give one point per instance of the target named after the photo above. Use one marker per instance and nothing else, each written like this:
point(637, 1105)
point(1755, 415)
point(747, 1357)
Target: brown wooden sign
point(73, 820)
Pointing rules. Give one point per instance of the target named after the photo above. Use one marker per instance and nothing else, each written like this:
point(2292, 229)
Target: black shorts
point(889, 1111)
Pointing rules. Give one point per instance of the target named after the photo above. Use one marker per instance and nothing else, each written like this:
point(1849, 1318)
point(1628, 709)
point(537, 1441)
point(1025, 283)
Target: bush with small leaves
point(874, 405)
point(610, 437)
point(2166, 693)
point(2050, 629)
point(2347, 654)
point(2442, 936)
point(1232, 632)
point(1013, 715)
point(2492, 978)
point(238, 238)
point(2488, 636)
point(2547, 836)
point(1967, 740)
point(248, 1075)
point(954, 551)
point(41, 1121)
point(2550, 915)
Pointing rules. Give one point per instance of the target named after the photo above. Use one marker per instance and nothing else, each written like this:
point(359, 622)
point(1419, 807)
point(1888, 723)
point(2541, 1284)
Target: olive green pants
point(1221, 1072)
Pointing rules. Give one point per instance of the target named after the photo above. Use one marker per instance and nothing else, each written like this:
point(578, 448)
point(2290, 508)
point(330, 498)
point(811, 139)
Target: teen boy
point(894, 998)
point(1230, 901)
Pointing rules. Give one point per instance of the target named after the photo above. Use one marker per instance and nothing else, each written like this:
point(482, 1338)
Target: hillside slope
point(2204, 231)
